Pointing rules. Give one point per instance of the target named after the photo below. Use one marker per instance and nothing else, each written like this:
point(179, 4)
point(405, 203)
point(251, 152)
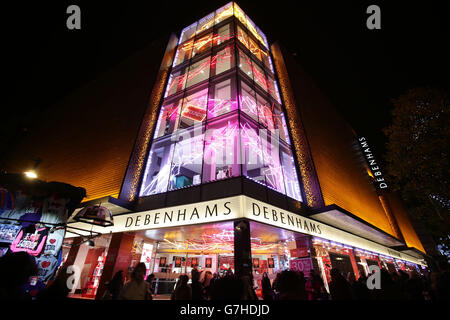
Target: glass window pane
point(223, 60)
point(271, 155)
point(267, 60)
point(273, 89)
point(188, 32)
point(222, 35)
point(157, 171)
point(280, 123)
point(187, 159)
point(203, 44)
point(198, 72)
point(224, 12)
point(248, 101)
point(252, 159)
point(205, 23)
point(245, 64)
point(260, 77)
point(290, 174)
point(169, 117)
point(224, 99)
point(183, 52)
point(242, 36)
point(194, 109)
point(254, 48)
point(177, 81)
point(264, 112)
point(222, 152)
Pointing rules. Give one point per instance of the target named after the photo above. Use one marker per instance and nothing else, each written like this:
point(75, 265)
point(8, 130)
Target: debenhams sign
point(234, 208)
point(373, 165)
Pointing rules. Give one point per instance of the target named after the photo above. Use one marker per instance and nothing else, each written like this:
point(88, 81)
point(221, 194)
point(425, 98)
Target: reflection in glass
point(157, 171)
point(198, 72)
point(223, 100)
point(247, 101)
point(221, 159)
point(187, 159)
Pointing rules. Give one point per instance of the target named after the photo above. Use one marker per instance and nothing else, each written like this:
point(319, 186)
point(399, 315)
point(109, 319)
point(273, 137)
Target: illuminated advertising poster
point(162, 261)
point(208, 262)
point(194, 262)
point(177, 262)
point(255, 262)
point(301, 265)
point(270, 263)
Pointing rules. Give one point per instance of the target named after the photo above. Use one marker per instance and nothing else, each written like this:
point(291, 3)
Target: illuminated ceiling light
point(30, 174)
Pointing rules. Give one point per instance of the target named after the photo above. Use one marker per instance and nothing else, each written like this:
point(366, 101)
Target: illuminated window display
point(215, 74)
point(89, 262)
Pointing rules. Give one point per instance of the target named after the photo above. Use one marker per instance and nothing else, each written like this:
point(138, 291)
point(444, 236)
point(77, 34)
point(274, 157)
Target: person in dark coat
point(266, 287)
point(183, 291)
point(339, 287)
point(15, 270)
point(196, 285)
point(115, 285)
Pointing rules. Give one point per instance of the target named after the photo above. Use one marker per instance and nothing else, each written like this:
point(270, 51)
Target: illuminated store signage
point(374, 167)
point(233, 208)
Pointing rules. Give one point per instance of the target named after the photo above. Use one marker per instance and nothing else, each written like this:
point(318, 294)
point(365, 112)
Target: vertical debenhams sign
point(373, 165)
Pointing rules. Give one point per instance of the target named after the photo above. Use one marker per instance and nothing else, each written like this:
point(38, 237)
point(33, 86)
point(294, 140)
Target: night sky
point(360, 70)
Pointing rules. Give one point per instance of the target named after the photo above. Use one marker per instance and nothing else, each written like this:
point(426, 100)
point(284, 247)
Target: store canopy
point(337, 217)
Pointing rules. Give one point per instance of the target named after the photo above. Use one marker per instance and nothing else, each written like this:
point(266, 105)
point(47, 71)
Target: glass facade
point(222, 115)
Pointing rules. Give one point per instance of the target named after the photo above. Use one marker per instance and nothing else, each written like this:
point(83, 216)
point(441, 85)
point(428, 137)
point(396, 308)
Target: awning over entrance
point(336, 216)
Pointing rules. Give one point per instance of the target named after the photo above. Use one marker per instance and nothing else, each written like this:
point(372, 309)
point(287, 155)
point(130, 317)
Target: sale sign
point(301, 265)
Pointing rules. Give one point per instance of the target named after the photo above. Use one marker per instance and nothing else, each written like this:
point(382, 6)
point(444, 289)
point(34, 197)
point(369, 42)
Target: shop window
point(254, 48)
point(267, 60)
point(221, 156)
point(280, 123)
point(271, 156)
point(245, 64)
point(205, 23)
point(223, 100)
point(260, 77)
point(187, 159)
point(157, 171)
point(223, 34)
point(223, 13)
point(188, 32)
point(90, 261)
point(202, 45)
point(169, 117)
point(252, 156)
point(290, 173)
point(223, 60)
point(177, 82)
point(184, 52)
point(198, 72)
point(194, 109)
point(273, 89)
point(265, 114)
point(242, 36)
point(247, 101)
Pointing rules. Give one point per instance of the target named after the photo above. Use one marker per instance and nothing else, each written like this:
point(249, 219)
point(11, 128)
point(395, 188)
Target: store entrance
point(342, 263)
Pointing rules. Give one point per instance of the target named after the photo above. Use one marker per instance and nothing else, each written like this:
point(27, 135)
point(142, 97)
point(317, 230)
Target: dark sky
point(360, 70)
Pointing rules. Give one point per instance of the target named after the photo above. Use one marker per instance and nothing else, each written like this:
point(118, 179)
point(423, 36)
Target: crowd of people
point(292, 285)
point(17, 268)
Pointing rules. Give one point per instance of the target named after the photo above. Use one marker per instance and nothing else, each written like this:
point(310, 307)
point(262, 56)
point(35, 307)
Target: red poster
point(194, 262)
point(302, 265)
point(162, 261)
point(208, 263)
point(299, 252)
point(271, 263)
point(255, 262)
point(177, 262)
